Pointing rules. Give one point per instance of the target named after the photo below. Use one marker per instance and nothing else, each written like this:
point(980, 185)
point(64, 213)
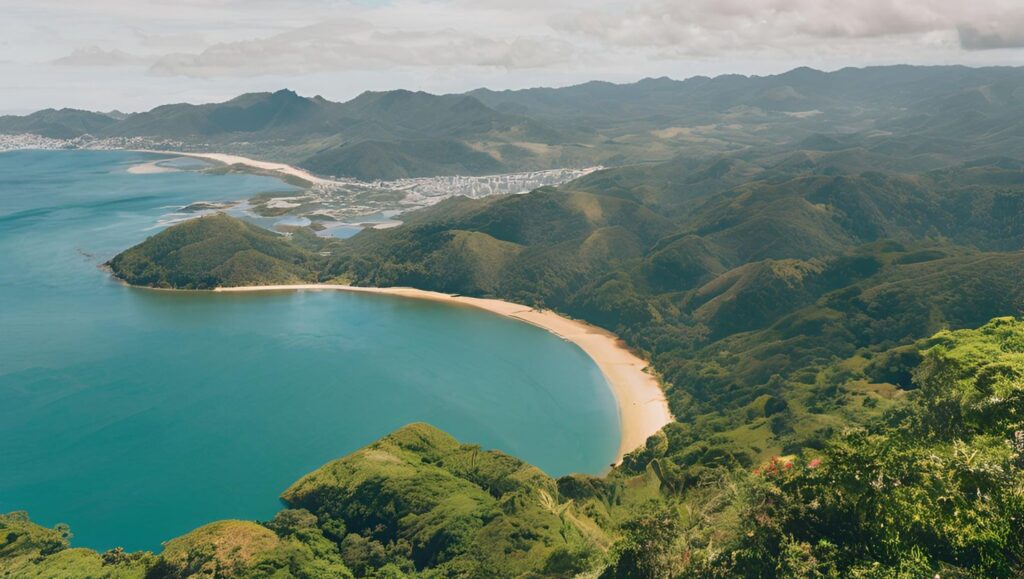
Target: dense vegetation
point(934, 486)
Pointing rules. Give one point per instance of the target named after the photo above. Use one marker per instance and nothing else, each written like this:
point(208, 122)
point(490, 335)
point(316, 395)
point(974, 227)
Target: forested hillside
point(211, 252)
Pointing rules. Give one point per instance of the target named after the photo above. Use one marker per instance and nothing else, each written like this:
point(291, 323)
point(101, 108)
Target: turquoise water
point(135, 416)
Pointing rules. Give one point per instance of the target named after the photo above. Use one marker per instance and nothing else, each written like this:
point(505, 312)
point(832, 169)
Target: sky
point(132, 55)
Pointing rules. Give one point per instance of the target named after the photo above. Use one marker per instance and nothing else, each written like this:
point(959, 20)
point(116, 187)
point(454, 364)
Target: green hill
point(57, 124)
point(736, 292)
point(214, 251)
point(450, 507)
point(371, 160)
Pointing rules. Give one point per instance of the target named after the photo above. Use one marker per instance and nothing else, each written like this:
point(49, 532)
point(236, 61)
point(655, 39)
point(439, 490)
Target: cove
point(135, 416)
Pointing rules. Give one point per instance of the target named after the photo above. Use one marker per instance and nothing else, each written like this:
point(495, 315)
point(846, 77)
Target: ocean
point(135, 416)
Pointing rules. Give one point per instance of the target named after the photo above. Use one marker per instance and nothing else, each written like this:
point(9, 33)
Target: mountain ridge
point(589, 124)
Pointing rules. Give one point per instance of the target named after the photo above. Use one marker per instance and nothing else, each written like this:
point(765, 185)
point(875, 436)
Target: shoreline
point(642, 407)
point(281, 169)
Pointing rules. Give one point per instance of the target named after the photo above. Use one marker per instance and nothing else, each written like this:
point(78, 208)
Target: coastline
point(223, 158)
point(643, 409)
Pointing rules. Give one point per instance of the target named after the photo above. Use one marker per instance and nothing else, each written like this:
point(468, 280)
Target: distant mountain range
point(947, 114)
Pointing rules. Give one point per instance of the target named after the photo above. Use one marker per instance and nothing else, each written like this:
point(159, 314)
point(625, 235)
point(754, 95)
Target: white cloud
point(994, 33)
point(358, 45)
point(136, 53)
point(96, 56)
point(715, 27)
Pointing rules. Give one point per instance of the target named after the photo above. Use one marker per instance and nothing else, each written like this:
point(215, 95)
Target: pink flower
point(814, 463)
point(788, 465)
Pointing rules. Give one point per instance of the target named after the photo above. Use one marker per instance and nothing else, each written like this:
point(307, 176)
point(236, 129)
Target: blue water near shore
point(135, 416)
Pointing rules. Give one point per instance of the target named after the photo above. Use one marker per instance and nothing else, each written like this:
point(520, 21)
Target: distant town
point(337, 199)
point(29, 141)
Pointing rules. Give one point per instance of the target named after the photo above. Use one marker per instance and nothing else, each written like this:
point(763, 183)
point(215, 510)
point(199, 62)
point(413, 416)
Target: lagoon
point(135, 416)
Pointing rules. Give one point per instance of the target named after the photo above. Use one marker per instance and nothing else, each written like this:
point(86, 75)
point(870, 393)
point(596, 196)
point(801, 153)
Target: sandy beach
point(643, 409)
point(279, 168)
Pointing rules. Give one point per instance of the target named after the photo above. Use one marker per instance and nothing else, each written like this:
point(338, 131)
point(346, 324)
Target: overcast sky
point(135, 54)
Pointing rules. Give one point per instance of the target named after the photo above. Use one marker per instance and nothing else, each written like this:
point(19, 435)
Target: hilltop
point(214, 251)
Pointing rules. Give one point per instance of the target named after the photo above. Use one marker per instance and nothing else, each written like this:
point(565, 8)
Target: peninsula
point(282, 170)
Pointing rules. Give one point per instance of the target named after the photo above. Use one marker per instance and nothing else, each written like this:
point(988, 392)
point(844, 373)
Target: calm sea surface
point(135, 416)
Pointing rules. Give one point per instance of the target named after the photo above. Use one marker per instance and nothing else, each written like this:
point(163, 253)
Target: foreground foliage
point(934, 486)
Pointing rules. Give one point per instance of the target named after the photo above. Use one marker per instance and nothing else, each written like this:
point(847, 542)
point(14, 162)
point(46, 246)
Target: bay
point(135, 416)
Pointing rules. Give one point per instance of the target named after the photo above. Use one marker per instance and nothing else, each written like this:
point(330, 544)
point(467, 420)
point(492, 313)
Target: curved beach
point(643, 409)
point(269, 166)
